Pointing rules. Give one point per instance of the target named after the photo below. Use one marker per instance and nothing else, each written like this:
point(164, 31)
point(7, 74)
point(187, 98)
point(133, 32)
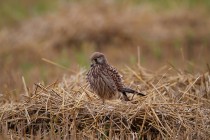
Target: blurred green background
point(66, 32)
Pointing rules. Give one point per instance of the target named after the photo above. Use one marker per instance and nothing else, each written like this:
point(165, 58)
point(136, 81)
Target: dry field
point(43, 61)
point(176, 106)
point(178, 35)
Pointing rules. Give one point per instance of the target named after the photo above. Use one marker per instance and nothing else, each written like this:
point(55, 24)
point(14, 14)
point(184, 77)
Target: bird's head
point(98, 58)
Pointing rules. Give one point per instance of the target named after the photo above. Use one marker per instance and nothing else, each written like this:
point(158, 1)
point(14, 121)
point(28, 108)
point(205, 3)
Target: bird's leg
point(125, 96)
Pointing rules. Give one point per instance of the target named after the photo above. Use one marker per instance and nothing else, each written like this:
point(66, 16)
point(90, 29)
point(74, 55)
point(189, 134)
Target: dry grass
point(176, 107)
point(109, 23)
point(69, 35)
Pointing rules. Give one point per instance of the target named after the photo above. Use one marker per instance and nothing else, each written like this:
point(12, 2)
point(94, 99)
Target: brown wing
point(117, 78)
point(108, 80)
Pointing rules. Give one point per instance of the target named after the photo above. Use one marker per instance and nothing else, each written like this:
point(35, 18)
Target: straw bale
point(177, 106)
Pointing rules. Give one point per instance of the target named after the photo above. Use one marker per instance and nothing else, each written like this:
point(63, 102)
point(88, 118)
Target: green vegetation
point(64, 58)
point(176, 3)
point(13, 11)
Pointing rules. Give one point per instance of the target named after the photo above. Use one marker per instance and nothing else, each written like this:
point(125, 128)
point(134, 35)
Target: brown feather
point(105, 80)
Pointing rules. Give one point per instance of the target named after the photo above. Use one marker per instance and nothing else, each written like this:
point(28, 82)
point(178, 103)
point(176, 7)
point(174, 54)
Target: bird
point(104, 79)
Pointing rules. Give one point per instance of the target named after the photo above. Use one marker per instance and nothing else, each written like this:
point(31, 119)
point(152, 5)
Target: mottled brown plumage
point(104, 79)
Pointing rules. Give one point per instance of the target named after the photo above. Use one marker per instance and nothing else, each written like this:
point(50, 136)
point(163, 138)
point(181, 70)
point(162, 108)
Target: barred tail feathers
point(128, 90)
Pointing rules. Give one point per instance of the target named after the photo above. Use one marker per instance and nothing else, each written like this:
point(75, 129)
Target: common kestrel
point(105, 80)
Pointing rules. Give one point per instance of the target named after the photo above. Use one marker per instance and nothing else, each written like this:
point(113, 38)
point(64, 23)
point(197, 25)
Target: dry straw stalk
point(177, 106)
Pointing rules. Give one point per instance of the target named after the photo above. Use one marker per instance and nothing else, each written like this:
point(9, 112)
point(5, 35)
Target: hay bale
point(176, 107)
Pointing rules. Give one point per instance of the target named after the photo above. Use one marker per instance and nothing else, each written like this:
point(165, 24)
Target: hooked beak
point(93, 63)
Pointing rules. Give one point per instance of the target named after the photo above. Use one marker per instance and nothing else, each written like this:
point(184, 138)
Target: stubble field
point(161, 50)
